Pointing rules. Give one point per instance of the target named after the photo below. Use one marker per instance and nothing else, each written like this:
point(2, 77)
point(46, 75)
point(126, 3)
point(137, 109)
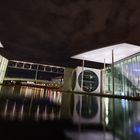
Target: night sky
point(51, 31)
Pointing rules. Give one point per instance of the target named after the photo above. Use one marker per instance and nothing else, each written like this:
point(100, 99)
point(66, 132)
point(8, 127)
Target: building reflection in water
point(30, 103)
point(118, 118)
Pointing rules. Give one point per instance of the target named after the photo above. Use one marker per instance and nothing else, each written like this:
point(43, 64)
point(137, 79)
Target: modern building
point(121, 77)
point(125, 70)
point(126, 76)
point(61, 86)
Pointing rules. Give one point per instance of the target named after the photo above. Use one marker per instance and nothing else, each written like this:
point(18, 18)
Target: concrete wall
point(67, 98)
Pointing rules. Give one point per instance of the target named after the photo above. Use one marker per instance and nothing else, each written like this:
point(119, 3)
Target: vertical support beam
point(36, 74)
point(113, 72)
point(104, 77)
point(102, 100)
point(83, 63)
point(81, 96)
point(113, 94)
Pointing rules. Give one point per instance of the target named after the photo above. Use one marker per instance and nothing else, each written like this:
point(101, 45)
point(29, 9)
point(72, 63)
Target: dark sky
point(50, 31)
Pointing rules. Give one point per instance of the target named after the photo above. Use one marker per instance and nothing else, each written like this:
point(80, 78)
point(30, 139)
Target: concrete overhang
point(102, 55)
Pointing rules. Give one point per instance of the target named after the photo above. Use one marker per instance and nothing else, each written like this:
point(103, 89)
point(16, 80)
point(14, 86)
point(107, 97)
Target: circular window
point(90, 80)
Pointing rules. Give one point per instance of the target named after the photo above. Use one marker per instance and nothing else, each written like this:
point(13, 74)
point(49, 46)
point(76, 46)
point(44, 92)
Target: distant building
point(27, 71)
point(3, 67)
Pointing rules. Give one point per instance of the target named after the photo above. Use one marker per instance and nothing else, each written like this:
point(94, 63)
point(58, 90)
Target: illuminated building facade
point(123, 61)
point(33, 80)
point(126, 83)
point(3, 67)
point(121, 76)
point(126, 76)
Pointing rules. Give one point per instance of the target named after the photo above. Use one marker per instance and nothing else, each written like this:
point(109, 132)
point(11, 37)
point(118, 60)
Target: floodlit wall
point(3, 67)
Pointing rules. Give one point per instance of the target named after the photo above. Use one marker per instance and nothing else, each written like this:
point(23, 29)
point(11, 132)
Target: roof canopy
point(121, 51)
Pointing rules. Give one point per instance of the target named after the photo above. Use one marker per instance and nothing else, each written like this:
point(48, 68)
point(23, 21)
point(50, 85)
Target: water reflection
point(44, 114)
point(37, 113)
point(91, 135)
point(16, 110)
point(121, 117)
point(21, 112)
point(118, 119)
point(12, 114)
point(32, 103)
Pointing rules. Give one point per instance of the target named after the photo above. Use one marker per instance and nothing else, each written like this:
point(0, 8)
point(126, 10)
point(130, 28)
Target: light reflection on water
point(40, 110)
point(123, 122)
point(17, 106)
point(119, 116)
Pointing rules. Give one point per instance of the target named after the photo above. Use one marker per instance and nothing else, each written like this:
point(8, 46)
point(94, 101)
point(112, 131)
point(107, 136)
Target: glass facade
point(126, 77)
point(123, 115)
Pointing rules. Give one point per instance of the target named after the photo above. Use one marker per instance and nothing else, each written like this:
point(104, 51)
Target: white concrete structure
point(121, 51)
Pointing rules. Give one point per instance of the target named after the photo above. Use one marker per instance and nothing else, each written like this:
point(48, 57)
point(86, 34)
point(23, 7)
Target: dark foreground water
point(25, 130)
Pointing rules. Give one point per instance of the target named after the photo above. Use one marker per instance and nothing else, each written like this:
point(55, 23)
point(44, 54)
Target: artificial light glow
point(106, 120)
point(136, 128)
point(136, 70)
point(121, 51)
point(106, 105)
